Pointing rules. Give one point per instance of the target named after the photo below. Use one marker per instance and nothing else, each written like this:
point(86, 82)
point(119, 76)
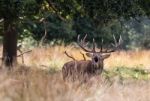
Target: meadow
point(126, 77)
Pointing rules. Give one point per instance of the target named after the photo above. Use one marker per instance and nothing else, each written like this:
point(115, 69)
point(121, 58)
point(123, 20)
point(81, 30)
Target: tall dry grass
point(55, 57)
point(35, 80)
point(26, 84)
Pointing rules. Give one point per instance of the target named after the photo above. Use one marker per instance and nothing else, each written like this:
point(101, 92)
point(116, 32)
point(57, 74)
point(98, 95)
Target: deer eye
point(96, 59)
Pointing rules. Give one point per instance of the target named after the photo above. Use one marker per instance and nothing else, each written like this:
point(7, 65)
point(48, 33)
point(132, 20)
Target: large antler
point(83, 44)
point(115, 45)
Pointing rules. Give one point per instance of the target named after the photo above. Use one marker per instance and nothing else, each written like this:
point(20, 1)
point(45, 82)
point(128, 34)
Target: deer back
point(82, 68)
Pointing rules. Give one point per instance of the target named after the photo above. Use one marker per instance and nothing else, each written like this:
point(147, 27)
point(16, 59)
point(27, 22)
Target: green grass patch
point(126, 73)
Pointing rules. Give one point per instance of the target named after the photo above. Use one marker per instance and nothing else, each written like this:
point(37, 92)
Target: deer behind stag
point(84, 69)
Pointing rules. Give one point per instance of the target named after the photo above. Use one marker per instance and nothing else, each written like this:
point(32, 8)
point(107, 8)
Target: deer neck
point(97, 67)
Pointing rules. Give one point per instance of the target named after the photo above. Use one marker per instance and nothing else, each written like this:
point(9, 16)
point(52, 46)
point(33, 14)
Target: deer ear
point(89, 54)
point(105, 56)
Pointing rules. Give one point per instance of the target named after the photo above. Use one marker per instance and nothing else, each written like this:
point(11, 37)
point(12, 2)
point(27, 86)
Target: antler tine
point(83, 55)
point(115, 45)
point(69, 56)
point(101, 45)
point(115, 39)
point(94, 45)
point(84, 37)
point(120, 40)
point(86, 44)
point(78, 38)
point(82, 43)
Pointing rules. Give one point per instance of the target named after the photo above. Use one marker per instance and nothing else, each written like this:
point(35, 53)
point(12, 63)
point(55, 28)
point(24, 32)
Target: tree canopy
point(65, 19)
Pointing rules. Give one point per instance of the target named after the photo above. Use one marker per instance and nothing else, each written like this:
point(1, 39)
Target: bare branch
point(54, 8)
point(24, 53)
point(19, 49)
point(44, 36)
point(21, 53)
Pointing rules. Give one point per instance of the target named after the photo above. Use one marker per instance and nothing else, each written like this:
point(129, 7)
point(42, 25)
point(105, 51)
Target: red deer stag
point(83, 69)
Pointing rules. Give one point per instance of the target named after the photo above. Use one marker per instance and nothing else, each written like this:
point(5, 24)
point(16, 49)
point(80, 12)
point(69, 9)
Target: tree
point(11, 11)
point(92, 16)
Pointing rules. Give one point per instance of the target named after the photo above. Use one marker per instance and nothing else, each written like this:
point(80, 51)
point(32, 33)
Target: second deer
point(84, 69)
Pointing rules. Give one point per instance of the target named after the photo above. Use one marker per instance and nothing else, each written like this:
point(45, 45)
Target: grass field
point(54, 57)
point(126, 78)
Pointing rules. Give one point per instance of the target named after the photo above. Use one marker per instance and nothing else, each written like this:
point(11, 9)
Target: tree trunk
point(9, 44)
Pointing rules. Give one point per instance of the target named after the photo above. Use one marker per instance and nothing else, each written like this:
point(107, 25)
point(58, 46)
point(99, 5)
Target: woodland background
point(63, 20)
point(47, 28)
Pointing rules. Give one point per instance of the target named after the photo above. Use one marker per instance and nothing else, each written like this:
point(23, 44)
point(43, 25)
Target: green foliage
point(138, 34)
point(87, 17)
point(9, 9)
point(145, 5)
point(65, 19)
point(54, 27)
point(28, 41)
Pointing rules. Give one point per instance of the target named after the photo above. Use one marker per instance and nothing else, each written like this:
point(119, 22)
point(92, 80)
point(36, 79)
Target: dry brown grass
point(25, 84)
point(55, 57)
point(40, 83)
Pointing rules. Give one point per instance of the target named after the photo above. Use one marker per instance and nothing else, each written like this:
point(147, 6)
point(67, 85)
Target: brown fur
point(77, 70)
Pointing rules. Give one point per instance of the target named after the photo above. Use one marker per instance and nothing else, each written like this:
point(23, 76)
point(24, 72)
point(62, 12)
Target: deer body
point(79, 69)
point(84, 69)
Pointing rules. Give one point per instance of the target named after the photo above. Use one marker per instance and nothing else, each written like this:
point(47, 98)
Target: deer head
point(97, 57)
